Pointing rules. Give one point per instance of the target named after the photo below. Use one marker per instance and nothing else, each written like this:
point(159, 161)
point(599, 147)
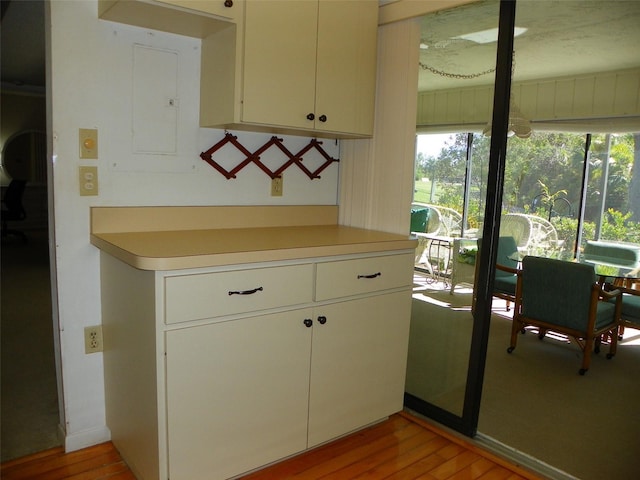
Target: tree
point(543, 164)
point(634, 184)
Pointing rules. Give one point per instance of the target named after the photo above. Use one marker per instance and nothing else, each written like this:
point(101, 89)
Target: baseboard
point(521, 458)
point(86, 438)
point(62, 434)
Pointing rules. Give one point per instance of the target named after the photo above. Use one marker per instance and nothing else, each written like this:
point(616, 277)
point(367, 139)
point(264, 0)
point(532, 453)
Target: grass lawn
point(422, 192)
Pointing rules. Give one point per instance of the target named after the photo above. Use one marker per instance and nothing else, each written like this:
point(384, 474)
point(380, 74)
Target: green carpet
point(534, 402)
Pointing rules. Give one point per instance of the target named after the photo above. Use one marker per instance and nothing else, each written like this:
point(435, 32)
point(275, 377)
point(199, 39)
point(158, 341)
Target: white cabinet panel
point(358, 364)
point(346, 66)
point(155, 100)
point(193, 297)
point(279, 63)
point(299, 67)
point(237, 394)
point(193, 18)
point(223, 8)
point(366, 275)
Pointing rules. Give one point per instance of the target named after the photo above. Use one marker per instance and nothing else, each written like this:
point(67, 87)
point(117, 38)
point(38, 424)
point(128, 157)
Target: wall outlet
point(88, 180)
point(93, 339)
point(276, 186)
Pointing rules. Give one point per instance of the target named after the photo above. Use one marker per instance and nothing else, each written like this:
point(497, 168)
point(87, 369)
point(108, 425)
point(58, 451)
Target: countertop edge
point(213, 259)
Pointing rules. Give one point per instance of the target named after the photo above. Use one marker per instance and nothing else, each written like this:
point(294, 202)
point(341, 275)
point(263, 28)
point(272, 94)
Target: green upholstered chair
point(630, 310)
point(419, 226)
point(565, 297)
point(504, 283)
point(419, 219)
point(624, 256)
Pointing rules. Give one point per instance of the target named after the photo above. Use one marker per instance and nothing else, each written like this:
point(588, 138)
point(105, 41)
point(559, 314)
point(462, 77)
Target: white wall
point(91, 87)
point(377, 174)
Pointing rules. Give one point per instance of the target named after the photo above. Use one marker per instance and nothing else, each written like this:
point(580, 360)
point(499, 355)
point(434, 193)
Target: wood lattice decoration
point(293, 159)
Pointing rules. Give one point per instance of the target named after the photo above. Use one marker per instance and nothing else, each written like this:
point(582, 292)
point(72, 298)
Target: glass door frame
point(467, 424)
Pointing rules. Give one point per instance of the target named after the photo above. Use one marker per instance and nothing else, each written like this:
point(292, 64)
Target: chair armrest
point(609, 294)
point(631, 291)
point(504, 268)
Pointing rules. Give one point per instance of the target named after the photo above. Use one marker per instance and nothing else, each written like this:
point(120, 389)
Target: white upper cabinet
point(297, 67)
point(293, 67)
point(193, 18)
point(279, 80)
point(223, 8)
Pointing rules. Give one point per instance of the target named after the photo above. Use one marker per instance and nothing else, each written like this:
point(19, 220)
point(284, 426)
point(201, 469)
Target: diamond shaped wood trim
point(293, 159)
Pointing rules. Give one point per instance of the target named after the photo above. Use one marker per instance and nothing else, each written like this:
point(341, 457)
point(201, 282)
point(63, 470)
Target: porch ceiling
point(562, 38)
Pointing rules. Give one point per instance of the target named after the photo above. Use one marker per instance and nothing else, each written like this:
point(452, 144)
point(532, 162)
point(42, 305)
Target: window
point(543, 180)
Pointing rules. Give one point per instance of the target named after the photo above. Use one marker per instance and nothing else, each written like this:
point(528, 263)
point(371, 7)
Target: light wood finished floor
point(402, 447)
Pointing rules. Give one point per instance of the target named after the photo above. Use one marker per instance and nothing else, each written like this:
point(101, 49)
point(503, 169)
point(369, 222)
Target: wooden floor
point(403, 447)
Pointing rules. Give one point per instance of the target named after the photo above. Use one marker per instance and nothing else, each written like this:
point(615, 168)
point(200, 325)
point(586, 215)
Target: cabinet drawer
point(352, 277)
point(192, 297)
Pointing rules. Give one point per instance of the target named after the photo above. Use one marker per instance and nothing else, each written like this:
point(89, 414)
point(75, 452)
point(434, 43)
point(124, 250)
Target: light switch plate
point(88, 138)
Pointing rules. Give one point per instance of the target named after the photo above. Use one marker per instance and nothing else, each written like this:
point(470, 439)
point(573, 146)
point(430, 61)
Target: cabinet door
point(279, 62)
point(346, 66)
point(358, 364)
point(237, 394)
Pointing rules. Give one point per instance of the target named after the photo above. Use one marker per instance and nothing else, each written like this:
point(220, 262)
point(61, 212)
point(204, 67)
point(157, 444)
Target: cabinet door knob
point(311, 116)
point(322, 320)
point(308, 322)
point(322, 118)
point(228, 3)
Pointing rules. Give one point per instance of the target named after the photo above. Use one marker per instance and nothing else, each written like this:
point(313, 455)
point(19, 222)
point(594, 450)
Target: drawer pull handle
point(246, 292)
point(322, 319)
point(374, 275)
point(307, 322)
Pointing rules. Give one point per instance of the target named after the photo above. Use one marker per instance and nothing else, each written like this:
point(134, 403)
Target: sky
point(430, 145)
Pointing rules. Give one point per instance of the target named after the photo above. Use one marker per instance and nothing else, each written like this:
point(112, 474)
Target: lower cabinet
point(237, 394)
point(285, 382)
point(246, 388)
point(358, 364)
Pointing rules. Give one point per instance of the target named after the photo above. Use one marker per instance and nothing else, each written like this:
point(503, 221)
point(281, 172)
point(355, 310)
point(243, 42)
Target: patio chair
point(544, 237)
point(433, 218)
point(506, 276)
point(506, 279)
point(630, 310)
point(565, 297)
point(450, 222)
point(424, 220)
point(518, 226)
point(621, 255)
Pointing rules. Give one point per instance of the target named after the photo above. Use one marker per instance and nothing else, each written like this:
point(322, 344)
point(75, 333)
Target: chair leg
point(516, 326)
point(613, 346)
point(620, 332)
point(586, 355)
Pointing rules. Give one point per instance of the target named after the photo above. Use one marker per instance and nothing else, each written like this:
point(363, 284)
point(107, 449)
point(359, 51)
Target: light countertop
point(194, 248)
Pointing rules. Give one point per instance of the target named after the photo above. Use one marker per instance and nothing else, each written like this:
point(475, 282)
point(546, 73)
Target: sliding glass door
point(458, 189)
